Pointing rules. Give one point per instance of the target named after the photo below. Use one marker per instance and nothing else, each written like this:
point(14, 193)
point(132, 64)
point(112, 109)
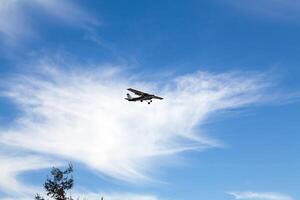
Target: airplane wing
point(157, 97)
point(137, 92)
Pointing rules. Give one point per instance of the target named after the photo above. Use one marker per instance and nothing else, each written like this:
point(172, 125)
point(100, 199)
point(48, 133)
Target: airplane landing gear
point(149, 102)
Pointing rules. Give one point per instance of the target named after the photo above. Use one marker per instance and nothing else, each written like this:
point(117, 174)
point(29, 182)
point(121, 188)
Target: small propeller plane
point(142, 96)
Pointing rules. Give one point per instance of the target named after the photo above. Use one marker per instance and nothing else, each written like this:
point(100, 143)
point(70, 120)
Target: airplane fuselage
point(141, 98)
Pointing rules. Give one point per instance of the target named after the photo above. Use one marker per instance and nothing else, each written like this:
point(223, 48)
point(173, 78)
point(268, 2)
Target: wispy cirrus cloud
point(82, 116)
point(260, 196)
point(278, 10)
point(16, 21)
point(13, 165)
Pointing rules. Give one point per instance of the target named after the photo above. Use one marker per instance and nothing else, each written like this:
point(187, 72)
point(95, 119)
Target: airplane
point(142, 96)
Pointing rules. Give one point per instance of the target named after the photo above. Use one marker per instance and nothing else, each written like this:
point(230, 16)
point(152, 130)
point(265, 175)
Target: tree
point(57, 186)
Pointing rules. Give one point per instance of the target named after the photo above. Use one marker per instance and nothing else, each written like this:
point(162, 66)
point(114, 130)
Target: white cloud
point(83, 116)
point(94, 196)
point(67, 11)
point(115, 196)
point(13, 165)
point(13, 22)
point(16, 21)
point(18, 197)
point(259, 196)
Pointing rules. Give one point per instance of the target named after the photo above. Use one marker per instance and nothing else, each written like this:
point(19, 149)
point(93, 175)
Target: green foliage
point(58, 184)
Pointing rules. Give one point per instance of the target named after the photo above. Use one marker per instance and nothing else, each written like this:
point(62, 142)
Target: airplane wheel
point(148, 102)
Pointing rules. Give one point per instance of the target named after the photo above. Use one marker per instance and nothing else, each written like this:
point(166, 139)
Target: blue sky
point(227, 129)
